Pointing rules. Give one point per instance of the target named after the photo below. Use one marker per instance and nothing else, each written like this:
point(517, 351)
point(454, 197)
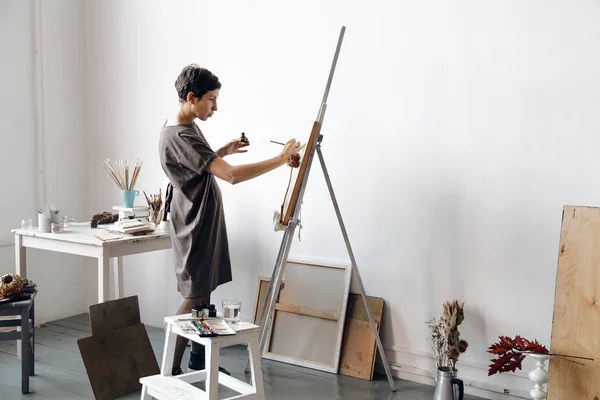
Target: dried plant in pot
point(10, 284)
point(445, 337)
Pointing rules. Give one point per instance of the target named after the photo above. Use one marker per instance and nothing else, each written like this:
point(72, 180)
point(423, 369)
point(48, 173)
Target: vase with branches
point(509, 354)
point(446, 343)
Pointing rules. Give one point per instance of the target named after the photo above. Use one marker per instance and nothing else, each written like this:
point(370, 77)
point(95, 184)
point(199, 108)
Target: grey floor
point(60, 373)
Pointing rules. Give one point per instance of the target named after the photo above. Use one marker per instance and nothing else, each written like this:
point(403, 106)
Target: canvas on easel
point(291, 198)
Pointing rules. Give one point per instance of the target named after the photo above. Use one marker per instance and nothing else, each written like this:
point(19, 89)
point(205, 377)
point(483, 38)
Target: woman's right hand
point(291, 147)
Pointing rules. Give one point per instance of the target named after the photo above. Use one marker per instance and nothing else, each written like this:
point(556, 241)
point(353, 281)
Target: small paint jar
point(200, 311)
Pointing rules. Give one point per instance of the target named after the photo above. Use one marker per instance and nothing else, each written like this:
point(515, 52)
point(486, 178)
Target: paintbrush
point(148, 200)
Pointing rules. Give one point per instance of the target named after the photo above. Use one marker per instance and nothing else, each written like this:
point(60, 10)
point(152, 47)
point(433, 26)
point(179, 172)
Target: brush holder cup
point(128, 197)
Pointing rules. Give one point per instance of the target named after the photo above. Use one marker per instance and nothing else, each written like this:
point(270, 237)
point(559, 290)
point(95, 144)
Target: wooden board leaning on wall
point(576, 322)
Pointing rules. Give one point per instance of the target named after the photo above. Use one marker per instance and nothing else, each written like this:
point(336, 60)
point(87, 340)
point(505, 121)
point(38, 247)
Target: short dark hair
point(197, 80)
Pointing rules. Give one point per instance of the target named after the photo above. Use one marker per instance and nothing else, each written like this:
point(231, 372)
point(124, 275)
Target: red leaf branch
point(511, 353)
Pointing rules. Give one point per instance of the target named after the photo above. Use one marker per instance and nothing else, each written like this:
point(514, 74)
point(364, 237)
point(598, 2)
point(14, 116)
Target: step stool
point(168, 387)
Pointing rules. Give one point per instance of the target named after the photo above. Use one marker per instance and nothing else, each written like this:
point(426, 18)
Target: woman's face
point(205, 107)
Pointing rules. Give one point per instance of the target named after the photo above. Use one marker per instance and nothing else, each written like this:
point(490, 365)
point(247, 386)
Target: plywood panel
point(311, 339)
point(576, 322)
point(357, 310)
point(359, 348)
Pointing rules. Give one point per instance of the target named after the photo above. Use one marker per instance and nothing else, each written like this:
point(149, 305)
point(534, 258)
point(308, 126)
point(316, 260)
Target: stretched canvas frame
point(309, 317)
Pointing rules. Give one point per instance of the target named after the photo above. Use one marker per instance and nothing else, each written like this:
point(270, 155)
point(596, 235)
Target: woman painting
point(198, 230)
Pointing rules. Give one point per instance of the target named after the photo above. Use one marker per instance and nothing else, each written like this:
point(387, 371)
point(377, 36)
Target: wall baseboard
point(417, 367)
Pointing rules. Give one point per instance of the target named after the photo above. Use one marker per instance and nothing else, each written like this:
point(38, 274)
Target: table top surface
point(83, 233)
point(19, 303)
point(239, 327)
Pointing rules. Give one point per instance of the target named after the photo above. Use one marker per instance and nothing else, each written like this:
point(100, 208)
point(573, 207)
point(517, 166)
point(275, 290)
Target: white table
point(166, 386)
point(81, 240)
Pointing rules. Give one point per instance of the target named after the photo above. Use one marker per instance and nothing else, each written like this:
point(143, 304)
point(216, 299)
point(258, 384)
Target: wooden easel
point(290, 219)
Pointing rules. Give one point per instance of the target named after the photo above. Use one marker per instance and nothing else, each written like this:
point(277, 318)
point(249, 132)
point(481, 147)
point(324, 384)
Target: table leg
point(103, 275)
point(20, 257)
point(247, 369)
point(32, 317)
point(25, 350)
point(145, 395)
point(21, 270)
point(168, 352)
point(212, 372)
point(118, 276)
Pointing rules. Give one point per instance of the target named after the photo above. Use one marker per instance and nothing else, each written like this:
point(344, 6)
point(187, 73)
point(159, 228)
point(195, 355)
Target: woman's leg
point(186, 308)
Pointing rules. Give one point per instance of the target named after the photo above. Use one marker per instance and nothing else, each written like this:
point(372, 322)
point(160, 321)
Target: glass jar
point(231, 310)
point(57, 227)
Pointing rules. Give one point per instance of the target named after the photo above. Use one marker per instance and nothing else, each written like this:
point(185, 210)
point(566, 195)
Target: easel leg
point(265, 305)
point(275, 286)
point(355, 270)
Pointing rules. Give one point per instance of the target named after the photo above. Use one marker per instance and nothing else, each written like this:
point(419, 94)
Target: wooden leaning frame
point(289, 218)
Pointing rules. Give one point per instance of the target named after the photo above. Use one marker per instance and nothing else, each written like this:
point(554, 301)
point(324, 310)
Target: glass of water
point(231, 311)
point(26, 223)
point(57, 227)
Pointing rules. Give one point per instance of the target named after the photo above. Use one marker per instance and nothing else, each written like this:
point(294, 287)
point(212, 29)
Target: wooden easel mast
point(290, 218)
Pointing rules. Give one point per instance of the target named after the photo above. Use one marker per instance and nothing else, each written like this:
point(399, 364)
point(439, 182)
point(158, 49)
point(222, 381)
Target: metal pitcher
point(444, 389)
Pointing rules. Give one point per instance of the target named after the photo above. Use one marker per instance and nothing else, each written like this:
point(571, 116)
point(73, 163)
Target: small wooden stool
point(168, 387)
point(25, 310)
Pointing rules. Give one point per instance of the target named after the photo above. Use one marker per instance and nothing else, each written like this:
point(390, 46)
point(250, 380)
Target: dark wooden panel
point(114, 314)
point(116, 360)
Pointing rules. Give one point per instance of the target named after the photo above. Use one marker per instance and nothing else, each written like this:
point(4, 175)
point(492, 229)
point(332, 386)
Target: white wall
point(42, 106)
point(454, 135)
point(17, 101)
